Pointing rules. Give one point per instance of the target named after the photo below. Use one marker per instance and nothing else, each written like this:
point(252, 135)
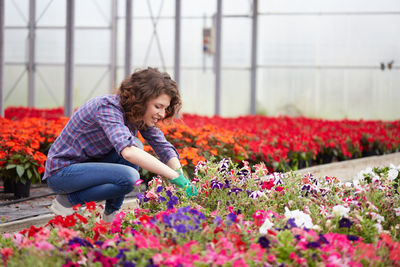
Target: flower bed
point(290, 143)
point(18, 113)
point(283, 143)
point(243, 216)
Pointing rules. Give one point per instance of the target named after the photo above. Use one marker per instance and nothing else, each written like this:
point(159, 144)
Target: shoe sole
point(59, 210)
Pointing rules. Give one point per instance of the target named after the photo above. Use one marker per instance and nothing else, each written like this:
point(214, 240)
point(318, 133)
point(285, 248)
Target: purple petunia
point(223, 166)
point(121, 254)
point(231, 217)
point(345, 222)
point(235, 190)
point(180, 228)
point(80, 241)
point(215, 184)
point(217, 220)
point(159, 189)
point(291, 223)
point(243, 174)
point(352, 237)
point(263, 241)
point(227, 184)
point(313, 245)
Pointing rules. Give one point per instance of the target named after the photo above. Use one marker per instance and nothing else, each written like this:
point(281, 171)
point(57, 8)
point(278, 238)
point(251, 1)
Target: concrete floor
point(347, 170)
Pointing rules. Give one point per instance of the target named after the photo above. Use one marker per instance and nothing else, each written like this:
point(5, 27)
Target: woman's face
point(155, 109)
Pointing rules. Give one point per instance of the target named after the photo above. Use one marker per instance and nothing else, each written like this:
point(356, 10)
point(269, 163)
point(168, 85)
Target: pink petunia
point(44, 245)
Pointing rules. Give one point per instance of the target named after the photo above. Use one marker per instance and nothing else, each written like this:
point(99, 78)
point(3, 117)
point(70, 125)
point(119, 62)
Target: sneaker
point(108, 218)
point(58, 209)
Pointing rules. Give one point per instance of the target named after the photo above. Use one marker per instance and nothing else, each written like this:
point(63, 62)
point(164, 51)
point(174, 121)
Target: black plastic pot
point(9, 186)
point(22, 190)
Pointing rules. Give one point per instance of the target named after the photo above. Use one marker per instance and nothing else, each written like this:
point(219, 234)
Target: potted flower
point(20, 164)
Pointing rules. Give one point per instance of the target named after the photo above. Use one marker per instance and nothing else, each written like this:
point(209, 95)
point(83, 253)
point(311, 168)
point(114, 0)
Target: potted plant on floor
point(21, 164)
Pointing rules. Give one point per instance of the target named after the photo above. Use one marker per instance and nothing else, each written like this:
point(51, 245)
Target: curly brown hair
point(141, 86)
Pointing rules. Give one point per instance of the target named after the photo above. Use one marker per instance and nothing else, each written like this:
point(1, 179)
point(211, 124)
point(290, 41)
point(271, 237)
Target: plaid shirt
point(94, 130)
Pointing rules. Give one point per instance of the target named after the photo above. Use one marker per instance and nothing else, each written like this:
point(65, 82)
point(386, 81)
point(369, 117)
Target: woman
point(97, 155)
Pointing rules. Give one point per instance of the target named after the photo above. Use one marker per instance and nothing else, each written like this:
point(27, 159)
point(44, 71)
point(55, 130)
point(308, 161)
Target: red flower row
point(282, 142)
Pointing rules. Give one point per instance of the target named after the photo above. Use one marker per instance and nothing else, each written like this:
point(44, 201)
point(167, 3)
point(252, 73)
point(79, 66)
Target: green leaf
point(11, 166)
point(29, 174)
point(20, 170)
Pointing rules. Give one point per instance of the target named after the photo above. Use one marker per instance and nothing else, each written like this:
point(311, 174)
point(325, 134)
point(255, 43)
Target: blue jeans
point(109, 178)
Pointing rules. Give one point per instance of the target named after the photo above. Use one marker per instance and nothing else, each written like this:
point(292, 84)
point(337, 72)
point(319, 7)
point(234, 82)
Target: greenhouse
point(199, 133)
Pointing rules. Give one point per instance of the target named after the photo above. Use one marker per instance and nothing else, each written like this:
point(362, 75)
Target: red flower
point(77, 207)
point(279, 188)
point(268, 185)
point(91, 206)
point(69, 220)
point(81, 218)
point(144, 219)
point(31, 231)
point(99, 228)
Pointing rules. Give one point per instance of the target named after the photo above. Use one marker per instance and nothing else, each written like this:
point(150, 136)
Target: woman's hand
point(184, 182)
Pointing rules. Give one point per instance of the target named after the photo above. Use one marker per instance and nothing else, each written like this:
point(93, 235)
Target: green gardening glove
point(184, 182)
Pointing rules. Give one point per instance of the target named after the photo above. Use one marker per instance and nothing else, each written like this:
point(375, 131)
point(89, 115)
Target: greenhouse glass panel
point(165, 8)
point(235, 93)
point(51, 13)
point(50, 46)
point(285, 40)
point(149, 49)
point(15, 86)
point(197, 91)
point(49, 86)
point(15, 46)
point(92, 46)
point(93, 13)
point(328, 5)
point(237, 7)
point(195, 8)
point(17, 12)
point(286, 92)
point(90, 82)
point(237, 53)
point(192, 45)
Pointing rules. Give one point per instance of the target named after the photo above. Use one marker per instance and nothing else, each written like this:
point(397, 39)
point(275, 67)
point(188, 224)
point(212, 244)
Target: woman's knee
point(128, 178)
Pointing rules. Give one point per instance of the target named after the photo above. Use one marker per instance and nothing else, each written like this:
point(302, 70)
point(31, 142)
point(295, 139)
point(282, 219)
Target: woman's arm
point(174, 163)
point(148, 162)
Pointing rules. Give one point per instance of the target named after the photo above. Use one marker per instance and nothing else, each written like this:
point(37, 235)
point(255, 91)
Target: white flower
point(392, 174)
point(375, 179)
point(340, 211)
point(300, 218)
point(265, 227)
point(361, 175)
point(397, 210)
point(378, 227)
point(348, 184)
point(376, 216)
point(317, 228)
point(256, 194)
